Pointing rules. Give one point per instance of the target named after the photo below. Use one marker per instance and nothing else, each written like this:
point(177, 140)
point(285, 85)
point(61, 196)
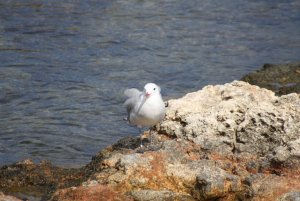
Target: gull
point(145, 108)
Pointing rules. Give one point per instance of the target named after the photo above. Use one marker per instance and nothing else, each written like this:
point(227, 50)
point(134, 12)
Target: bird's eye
point(154, 89)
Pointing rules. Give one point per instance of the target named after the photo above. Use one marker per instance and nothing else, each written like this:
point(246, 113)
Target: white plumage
point(145, 108)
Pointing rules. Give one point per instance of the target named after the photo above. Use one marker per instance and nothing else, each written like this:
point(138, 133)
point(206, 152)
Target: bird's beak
point(147, 94)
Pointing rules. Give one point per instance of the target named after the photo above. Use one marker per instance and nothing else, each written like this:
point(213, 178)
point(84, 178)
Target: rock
point(234, 118)
point(225, 142)
point(281, 154)
point(97, 193)
point(282, 78)
point(151, 195)
point(273, 187)
point(37, 180)
point(205, 180)
point(4, 197)
point(291, 196)
point(295, 148)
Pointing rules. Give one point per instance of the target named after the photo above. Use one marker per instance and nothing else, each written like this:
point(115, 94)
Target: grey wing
point(130, 103)
point(133, 97)
point(133, 92)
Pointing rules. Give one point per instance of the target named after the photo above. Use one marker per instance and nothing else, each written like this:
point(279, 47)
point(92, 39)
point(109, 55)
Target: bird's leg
point(141, 136)
point(141, 140)
point(150, 137)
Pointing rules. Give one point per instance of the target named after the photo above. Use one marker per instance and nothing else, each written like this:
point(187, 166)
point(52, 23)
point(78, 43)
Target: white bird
point(145, 108)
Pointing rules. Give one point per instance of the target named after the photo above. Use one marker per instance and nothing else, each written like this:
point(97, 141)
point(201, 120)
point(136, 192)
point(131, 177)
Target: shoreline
point(224, 141)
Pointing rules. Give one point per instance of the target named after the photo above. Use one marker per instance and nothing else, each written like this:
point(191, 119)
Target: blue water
point(64, 64)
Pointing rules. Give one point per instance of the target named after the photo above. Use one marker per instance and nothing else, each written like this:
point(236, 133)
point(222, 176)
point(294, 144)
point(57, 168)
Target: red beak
point(147, 94)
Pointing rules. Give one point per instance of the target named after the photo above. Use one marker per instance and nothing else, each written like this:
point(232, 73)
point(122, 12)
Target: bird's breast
point(152, 109)
point(149, 113)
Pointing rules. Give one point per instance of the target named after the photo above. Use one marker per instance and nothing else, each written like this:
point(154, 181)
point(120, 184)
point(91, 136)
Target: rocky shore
point(280, 78)
point(226, 142)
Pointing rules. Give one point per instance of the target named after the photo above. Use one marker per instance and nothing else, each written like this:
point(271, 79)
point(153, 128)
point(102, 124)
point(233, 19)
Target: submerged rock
point(225, 142)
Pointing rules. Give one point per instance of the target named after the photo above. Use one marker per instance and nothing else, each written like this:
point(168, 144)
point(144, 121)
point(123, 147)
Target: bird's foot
point(149, 147)
point(141, 149)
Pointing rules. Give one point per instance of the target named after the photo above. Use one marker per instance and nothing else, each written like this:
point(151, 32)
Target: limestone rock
point(234, 118)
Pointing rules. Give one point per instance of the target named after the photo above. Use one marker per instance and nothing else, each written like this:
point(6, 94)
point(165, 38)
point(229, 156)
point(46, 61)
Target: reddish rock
point(90, 193)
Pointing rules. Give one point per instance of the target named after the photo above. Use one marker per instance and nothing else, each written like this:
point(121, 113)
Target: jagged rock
point(234, 118)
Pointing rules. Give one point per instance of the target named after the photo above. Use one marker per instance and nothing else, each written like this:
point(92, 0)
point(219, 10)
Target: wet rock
point(280, 78)
point(127, 143)
point(37, 180)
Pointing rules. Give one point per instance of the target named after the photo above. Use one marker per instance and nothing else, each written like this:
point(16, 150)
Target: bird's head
point(151, 89)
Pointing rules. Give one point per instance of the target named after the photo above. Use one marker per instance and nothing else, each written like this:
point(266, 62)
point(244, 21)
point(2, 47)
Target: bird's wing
point(133, 98)
point(132, 92)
